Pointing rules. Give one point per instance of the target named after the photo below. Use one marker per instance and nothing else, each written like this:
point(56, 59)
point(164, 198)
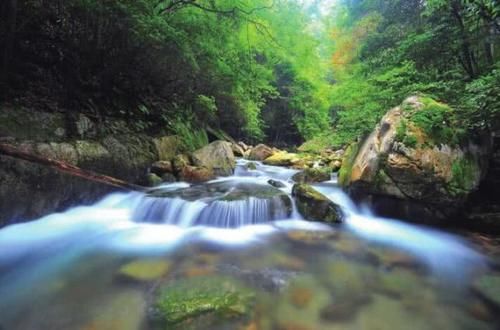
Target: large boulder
point(414, 155)
point(217, 157)
point(314, 206)
point(260, 152)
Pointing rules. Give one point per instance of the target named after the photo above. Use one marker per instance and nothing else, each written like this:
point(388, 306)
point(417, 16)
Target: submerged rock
point(313, 175)
point(217, 157)
point(144, 270)
point(207, 300)
point(261, 152)
point(315, 206)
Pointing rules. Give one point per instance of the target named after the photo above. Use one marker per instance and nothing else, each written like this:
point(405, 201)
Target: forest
point(277, 71)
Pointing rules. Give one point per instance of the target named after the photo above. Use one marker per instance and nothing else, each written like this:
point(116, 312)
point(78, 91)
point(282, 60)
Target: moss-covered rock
point(313, 175)
point(315, 206)
point(215, 300)
point(414, 155)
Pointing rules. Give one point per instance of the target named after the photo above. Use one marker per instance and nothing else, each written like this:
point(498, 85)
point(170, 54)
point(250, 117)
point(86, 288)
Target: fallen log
point(12, 151)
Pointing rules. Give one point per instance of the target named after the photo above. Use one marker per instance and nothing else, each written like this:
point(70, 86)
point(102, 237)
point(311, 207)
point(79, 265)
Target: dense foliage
point(386, 50)
point(248, 67)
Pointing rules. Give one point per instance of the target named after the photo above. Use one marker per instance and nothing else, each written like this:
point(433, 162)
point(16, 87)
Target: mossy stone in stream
point(315, 206)
point(213, 299)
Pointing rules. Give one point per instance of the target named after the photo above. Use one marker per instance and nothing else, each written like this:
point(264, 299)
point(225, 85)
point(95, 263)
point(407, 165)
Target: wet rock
point(217, 157)
point(215, 300)
point(276, 183)
point(196, 174)
point(313, 175)
point(315, 206)
point(260, 152)
point(144, 270)
point(489, 286)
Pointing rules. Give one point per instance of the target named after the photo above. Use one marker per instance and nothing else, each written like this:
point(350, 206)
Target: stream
point(104, 266)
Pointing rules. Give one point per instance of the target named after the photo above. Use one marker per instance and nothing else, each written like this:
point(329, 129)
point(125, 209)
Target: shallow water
point(103, 266)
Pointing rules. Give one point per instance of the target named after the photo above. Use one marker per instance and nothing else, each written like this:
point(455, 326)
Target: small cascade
point(215, 213)
point(222, 203)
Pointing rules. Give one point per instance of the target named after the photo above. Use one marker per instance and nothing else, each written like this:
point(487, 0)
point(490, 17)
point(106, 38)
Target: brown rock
point(260, 152)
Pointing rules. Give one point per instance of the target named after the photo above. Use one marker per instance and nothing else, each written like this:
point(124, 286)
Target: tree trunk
point(12, 151)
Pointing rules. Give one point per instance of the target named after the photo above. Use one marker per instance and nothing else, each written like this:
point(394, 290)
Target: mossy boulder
point(212, 300)
point(410, 157)
point(282, 158)
point(313, 175)
point(217, 157)
point(314, 206)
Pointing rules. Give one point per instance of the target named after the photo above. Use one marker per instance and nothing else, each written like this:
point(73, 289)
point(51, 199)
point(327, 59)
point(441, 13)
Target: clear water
point(65, 271)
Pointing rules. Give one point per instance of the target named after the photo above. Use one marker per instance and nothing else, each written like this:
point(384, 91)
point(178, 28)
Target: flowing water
point(237, 239)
